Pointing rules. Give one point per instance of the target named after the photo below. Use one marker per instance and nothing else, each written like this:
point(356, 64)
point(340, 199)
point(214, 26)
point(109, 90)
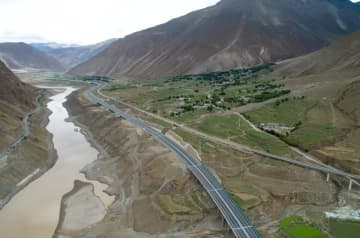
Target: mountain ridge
point(13, 91)
point(70, 56)
point(340, 56)
point(231, 34)
point(21, 55)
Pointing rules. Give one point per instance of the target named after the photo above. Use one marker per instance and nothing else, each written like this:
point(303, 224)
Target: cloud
point(9, 36)
point(86, 21)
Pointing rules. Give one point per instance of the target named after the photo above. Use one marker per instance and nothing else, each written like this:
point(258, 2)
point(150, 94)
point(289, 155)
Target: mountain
point(72, 55)
point(342, 56)
point(231, 34)
point(330, 73)
point(21, 55)
point(16, 98)
point(46, 47)
point(13, 91)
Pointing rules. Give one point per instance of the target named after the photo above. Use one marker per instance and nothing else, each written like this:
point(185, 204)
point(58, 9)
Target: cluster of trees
point(224, 77)
point(280, 101)
point(220, 100)
point(96, 78)
point(266, 95)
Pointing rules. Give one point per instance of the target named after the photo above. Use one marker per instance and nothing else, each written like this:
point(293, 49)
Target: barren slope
point(232, 34)
point(21, 55)
point(35, 152)
point(343, 55)
point(156, 196)
point(16, 98)
point(71, 56)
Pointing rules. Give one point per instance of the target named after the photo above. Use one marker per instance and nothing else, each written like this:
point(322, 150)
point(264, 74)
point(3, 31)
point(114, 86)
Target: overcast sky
point(86, 21)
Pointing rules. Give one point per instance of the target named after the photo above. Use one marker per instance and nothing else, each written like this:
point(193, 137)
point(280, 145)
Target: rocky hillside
point(35, 152)
point(343, 55)
point(16, 98)
point(71, 56)
point(21, 55)
point(13, 91)
point(231, 34)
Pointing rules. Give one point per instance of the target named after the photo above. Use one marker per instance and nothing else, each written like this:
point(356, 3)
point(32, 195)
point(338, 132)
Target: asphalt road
point(238, 222)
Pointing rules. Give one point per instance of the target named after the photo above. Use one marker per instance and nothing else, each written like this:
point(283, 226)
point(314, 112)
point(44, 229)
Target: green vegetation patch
point(190, 203)
point(246, 204)
point(312, 119)
point(311, 133)
point(184, 98)
point(344, 229)
point(296, 227)
point(118, 86)
point(288, 112)
point(234, 128)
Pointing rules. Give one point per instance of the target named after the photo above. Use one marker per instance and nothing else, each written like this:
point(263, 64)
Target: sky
point(86, 21)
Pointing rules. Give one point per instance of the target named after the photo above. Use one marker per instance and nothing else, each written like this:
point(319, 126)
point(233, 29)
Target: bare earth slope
point(13, 91)
point(72, 56)
point(155, 195)
point(34, 154)
point(21, 55)
point(343, 55)
point(16, 98)
point(232, 34)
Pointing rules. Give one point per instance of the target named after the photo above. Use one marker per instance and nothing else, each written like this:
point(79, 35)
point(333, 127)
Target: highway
point(238, 222)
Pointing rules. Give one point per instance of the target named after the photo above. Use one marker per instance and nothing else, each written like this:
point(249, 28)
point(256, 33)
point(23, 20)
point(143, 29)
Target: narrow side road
point(26, 129)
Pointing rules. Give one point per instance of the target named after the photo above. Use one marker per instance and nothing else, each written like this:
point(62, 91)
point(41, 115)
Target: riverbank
point(44, 195)
point(154, 193)
point(80, 208)
point(31, 158)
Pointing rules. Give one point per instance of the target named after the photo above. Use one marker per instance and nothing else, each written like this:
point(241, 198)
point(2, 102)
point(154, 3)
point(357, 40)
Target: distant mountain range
point(231, 34)
point(48, 46)
point(72, 55)
point(21, 55)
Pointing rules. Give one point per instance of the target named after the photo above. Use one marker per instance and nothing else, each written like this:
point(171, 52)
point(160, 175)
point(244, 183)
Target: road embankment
point(154, 192)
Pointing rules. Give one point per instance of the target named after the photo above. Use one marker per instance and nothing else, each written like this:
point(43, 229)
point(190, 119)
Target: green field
point(296, 227)
point(234, 128)
point(313, 119)
point(185, 98)
point(345, 229)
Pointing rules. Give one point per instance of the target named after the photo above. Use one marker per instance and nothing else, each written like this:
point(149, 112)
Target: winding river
point(34, 211)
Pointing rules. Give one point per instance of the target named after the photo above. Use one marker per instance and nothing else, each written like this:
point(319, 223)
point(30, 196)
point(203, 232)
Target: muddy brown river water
point(34, 211)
